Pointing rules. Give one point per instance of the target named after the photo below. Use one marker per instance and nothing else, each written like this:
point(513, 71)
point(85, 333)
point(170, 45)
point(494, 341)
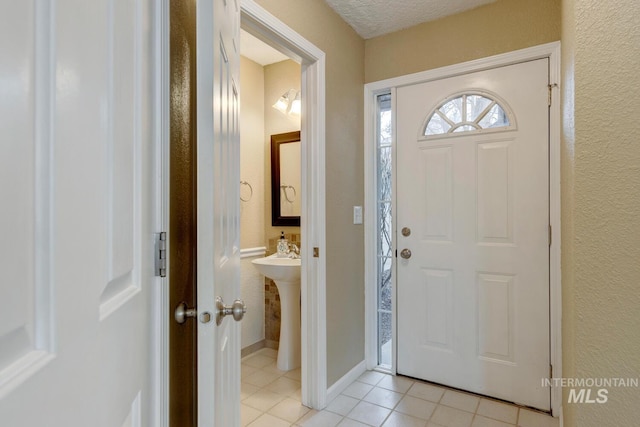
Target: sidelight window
point(384, 222)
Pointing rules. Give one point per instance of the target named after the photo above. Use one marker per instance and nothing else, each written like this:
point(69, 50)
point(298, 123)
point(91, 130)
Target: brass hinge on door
point(551, 86)
point(161, 254)
point(550, 234)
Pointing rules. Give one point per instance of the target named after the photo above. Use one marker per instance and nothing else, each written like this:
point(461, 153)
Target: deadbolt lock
point(406, 231)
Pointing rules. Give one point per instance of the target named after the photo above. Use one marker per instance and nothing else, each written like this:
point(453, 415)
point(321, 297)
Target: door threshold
point(482, 396)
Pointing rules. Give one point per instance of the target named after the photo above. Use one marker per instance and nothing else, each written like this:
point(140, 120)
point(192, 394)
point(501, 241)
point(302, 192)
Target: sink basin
point(279, 269)
point(285, 272)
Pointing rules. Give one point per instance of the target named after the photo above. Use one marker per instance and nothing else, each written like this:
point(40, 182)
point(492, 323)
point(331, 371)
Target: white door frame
point(266, 27)
point(371, 90)
point(159, 364)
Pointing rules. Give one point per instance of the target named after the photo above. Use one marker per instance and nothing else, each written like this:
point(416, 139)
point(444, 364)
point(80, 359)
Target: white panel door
point(218, 210)
point(473, 298)
point(77, 227)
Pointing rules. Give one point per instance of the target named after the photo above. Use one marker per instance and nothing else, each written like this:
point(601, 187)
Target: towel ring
point(286, 196)
point(250, 189)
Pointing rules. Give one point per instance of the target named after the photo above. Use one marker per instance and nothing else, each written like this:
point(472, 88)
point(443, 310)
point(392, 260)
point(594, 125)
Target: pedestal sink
point(285, 272)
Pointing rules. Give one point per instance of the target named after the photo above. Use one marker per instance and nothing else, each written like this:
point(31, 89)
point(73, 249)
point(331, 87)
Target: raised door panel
point(495, 181)
point(123, 158)
point(25, 216)
point(437, 296)
point(495, 324)
point(437, 188)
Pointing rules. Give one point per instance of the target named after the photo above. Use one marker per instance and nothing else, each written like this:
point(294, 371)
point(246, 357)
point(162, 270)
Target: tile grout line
point(373, 384)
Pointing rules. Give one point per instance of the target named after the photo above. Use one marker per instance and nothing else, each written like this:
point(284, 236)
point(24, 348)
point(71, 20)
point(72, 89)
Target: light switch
point(357, 214)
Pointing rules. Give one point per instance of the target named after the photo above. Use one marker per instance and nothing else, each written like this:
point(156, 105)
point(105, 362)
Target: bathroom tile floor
point(271, 398)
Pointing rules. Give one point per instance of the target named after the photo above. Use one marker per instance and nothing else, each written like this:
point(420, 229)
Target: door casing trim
point(158, 413)
point(371, 90)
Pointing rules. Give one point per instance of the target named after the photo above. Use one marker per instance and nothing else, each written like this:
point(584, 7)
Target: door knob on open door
point(237, 309)
point(405, 253)
point(183, 312)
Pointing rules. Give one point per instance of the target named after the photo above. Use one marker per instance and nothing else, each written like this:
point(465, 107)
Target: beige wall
point(601, 204)
point(499, 27)
point(252, 153)
point(344, 49)
point(261, 87)
point(600, 172)
point(567, 158)
point(278, 78)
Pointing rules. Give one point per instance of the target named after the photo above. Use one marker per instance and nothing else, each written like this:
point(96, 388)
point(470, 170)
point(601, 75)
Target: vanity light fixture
point(289, 103)
point(296, 105)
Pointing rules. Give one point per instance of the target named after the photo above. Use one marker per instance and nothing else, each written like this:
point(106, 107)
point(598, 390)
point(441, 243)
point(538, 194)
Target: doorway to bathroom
point(267, 78)
point(307, 61)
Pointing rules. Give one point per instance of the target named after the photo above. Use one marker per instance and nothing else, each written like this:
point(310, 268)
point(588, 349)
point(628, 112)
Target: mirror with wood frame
point(285, 179)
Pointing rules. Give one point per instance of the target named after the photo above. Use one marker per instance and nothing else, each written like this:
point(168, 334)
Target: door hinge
point(550, 234)
point(551, 86)
point(550, 371)
point(316, 252)
point(161, 254)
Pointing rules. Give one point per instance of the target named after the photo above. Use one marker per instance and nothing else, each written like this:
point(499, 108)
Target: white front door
point(473, 297)
point(76, 219)
point(218, 210)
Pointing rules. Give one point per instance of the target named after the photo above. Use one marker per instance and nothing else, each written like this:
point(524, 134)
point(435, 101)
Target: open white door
point(76, 220)
point(218, 210)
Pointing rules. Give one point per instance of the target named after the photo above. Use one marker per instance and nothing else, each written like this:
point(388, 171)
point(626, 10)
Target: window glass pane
point(466, 113)
point(384, 240)
point(465, 128)
point(384, 283)
point(384, 229)
point(385, 128)
point(384, 120)
point(496, 117)
point(437, 125)
point(384, 339)
point(476, 105)
point(453, 110)
point(384, 174)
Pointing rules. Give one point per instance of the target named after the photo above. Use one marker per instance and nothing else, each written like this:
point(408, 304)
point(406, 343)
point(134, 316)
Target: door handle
point(405, 253)
point(183, 312)
point(237, 309)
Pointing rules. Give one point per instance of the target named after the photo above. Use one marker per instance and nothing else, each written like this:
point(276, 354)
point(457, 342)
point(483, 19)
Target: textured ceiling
point(371, 18)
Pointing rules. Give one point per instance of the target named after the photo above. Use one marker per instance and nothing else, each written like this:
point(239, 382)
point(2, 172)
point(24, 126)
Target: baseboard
point(272, 344)
point(344, 382)
point(252, 348)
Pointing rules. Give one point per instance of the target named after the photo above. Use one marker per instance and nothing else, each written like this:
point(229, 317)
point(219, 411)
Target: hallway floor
point(271, 398)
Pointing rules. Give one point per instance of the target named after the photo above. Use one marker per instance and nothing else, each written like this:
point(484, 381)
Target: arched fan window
point(469, 112)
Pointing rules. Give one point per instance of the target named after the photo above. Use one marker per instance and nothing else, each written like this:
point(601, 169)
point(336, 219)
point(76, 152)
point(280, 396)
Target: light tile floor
point(271, 398)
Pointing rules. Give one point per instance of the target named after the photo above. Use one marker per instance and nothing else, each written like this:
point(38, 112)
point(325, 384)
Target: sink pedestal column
point(289, 346)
